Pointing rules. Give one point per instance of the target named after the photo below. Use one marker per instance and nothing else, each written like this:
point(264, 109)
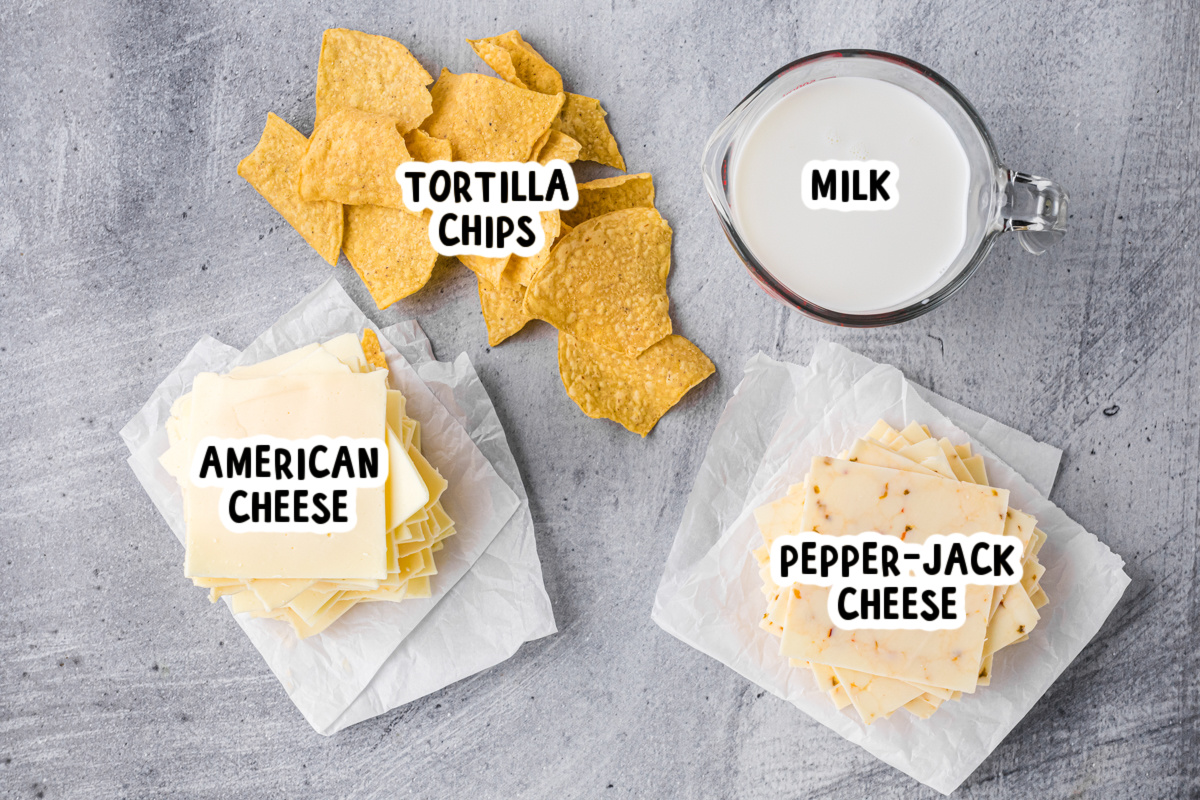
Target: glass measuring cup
point(999, 199)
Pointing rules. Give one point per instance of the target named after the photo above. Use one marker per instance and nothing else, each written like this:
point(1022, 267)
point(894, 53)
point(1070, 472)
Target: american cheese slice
point(320, 622)
point(290, 407)
point(317, 362)
point(406, 492)
point(418, 588)
point(433, 479)
point(277, 592)
point(273, 366)
point(397, 404)
point(348, 349)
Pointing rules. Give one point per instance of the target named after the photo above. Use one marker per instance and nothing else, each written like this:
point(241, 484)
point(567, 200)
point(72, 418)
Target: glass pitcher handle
point(1036, 208)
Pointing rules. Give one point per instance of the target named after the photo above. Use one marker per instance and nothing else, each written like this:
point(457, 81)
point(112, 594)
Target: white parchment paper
point(328, 674)
point(779, 418)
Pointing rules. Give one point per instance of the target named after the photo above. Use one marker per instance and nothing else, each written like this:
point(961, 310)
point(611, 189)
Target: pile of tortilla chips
point(601, 278)
point(910, 485)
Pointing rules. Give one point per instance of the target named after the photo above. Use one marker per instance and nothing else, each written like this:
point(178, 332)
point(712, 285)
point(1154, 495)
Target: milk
point(833, 241)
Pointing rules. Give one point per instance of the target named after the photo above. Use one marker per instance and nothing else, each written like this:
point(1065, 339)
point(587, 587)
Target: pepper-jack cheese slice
point(844, 498)
point(289, 407)
point(874, 696)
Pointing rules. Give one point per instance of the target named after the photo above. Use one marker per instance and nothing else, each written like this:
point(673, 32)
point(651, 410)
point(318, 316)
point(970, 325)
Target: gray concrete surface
point(125, 235)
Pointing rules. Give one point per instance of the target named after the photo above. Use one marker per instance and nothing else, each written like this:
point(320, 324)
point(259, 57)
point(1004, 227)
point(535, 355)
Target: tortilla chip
point(371, 73)
point(517, 62)
point(390, 250)
point(352, 158)
point(502, 308)
point(606, 282)
point(486, 119)
point(536, 150)
point(372, 350)
point(635, 392)
point(558, 145)
point(597, 198)
point(582, 119)
point(423, 147)
point(273, 169)
point(488, 269)
point(522, 268)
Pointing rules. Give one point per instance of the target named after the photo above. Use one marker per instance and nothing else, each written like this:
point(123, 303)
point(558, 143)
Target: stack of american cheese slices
point(910, 485)
point(310, 580)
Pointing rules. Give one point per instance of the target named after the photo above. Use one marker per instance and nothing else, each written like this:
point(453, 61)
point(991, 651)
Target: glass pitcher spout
point(1036, 208)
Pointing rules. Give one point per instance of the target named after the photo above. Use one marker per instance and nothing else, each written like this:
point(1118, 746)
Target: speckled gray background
point(125, 235)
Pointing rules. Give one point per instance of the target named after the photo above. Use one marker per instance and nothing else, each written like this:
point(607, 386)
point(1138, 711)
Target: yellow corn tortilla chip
point(486, 119)
point(352, 158)
point(635, 392)
point(582, 119)
point(536, 150)
point(423, 147)
point(558, 145)
point(503, 311)
point(517, 62)
point(372, 73)
point(521, 269)
point(372, 350)
point(487, 269)
point(273, 169)
point(524, 269)
point(597, 198)
point(606, 282)
point(390, 250)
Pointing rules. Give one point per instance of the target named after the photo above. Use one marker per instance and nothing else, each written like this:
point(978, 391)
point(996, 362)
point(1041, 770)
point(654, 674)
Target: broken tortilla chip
point(582, 119)
point(390, 250)
point(606, 282)
point(352, 158)
point(372, 350)
point(488, 269)
point(486, 119)
point(503, 311)
point(536, 150)
point(606, 195)
point(515, 60)
point(635, 392)
point(558, 145)
point(521, 269)
point(423, 147)
point(273, 169)
point(371, 73)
